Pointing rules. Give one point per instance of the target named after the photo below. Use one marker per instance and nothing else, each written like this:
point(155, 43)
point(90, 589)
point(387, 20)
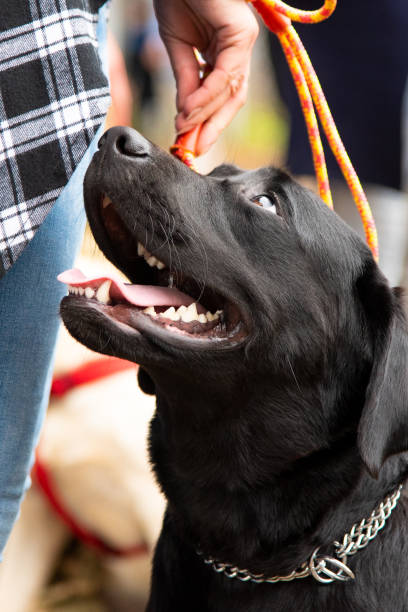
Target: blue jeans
point(29, 320)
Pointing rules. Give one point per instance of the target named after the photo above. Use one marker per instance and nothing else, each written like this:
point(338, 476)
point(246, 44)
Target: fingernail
point(194, 113)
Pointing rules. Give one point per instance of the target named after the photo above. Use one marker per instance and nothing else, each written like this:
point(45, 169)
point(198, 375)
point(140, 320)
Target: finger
point(199, 113)
point(218, 121)
point(228, 67)
point(232, 63)
point(186, 69)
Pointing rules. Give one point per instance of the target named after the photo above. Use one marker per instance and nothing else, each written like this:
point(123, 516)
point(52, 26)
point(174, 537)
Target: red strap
point(89, 372)
point(44, 480)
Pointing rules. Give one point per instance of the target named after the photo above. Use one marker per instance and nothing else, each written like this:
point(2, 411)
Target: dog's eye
point(267, 202)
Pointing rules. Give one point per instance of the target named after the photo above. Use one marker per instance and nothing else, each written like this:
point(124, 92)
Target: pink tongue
point(139, 295)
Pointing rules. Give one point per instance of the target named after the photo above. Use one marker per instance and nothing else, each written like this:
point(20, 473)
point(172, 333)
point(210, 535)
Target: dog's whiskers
point(293, 373)
point(205, 259)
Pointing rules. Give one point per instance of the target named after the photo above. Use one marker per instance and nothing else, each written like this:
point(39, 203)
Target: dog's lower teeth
point(171, 314)
point(150, 311)
point(190, 314)
point(186, 314)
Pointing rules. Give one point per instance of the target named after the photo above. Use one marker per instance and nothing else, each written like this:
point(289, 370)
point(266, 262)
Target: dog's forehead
point(262, 177)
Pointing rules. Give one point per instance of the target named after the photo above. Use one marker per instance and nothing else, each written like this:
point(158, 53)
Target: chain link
point(324, 569)
point(365, 531)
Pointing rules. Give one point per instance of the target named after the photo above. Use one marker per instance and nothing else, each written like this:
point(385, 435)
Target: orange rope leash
point(277, 16)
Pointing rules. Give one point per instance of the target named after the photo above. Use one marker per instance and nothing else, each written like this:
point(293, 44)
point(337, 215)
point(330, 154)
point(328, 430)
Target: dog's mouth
point(164, 303)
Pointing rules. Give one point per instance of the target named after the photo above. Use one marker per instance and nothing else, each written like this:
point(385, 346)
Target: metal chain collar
point(324, 568)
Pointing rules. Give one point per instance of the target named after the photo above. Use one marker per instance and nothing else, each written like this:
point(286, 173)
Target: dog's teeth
point(171, 281)
point(102, 295)
point(202, 318)
point(106, 201)
point(89, 292)
point(213, 317)
point(171, 314)
point(152, 261)
point(193, 309)
point(190, 314)
point(150, 311)
point(81, 290)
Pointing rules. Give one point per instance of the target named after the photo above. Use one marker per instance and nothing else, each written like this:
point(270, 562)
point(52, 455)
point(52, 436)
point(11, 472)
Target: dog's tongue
point(138, 295)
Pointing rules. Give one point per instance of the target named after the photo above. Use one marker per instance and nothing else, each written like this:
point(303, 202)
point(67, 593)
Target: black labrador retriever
point(279, 357)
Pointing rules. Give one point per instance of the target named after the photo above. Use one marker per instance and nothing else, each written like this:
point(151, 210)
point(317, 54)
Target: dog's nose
point(125, 141)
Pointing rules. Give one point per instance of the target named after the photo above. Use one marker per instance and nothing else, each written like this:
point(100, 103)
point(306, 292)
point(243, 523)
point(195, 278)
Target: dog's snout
point(125, 141)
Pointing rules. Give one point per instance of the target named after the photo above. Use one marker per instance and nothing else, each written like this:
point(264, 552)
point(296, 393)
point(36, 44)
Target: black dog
point(282, 402)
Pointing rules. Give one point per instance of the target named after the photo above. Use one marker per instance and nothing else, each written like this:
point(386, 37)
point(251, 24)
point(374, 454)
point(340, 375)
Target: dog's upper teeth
point(152, 261)
point(89, 292)
point(141, 250)
point(102, 295)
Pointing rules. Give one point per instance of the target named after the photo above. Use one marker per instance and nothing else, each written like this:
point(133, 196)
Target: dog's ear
point(145, 382)
point(383, 428)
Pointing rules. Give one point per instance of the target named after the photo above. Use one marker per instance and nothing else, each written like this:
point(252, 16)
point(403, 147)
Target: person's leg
point(29, 303)
point(29, 320)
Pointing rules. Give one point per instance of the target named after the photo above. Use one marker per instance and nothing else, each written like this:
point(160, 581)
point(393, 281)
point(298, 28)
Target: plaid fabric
point(53, 98)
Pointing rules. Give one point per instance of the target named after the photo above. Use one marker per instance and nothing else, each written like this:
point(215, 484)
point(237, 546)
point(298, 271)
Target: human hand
point(224, 31)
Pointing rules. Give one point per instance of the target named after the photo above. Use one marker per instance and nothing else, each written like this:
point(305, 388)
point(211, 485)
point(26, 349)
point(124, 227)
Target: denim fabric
point(29, 320)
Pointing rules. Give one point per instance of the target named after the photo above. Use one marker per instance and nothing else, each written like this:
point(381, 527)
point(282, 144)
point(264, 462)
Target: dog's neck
point(236, 499)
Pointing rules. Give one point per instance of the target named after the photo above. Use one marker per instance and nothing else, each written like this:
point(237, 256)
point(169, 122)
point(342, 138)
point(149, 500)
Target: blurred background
point(87, 529)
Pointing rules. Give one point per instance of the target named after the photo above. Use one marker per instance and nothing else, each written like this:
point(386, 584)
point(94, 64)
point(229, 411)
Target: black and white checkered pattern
point(53, 97)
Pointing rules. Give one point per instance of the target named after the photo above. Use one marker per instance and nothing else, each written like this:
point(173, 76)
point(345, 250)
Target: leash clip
point(320, 568)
